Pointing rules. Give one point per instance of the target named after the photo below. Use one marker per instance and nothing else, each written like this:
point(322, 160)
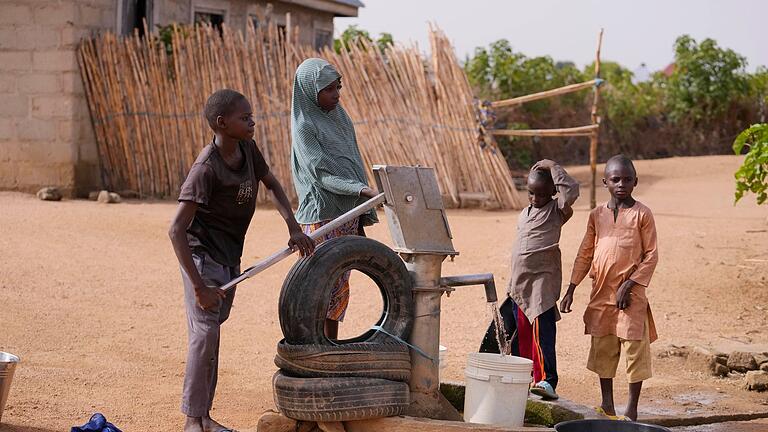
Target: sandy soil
point(92, 302)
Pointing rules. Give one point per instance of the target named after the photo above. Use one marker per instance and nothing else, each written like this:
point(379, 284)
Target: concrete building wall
point(46, 136)
point(237, 13)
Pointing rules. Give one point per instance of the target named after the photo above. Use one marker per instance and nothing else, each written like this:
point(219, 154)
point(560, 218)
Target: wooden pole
point(543, 95)
point(588, 130)
point(596, 122)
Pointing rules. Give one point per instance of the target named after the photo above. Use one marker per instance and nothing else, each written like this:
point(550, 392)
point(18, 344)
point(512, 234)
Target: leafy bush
point(751, 176)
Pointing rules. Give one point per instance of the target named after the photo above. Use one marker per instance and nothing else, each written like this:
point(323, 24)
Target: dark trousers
point(532, 340)
point(203, 333)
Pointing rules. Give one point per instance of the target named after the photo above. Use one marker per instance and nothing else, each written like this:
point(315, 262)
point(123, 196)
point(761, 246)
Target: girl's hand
point(622, 296)
point(369, 193)
point(302, 242)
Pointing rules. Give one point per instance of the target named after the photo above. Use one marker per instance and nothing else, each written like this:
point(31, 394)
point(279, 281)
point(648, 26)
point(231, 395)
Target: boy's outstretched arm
point(297, 237)
point(581, 265)
point(207, 297)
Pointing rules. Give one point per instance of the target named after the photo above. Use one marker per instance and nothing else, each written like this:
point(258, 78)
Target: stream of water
point(505, 345)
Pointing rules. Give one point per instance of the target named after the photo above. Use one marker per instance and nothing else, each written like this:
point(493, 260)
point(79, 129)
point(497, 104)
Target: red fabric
point(528, 344)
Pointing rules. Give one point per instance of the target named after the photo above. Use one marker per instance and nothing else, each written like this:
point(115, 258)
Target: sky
point(639, 31)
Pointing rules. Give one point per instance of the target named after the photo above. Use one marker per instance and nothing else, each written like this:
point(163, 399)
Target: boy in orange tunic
point(619, 254)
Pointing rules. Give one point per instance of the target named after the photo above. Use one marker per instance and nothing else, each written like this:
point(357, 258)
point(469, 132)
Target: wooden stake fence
point(591, 130)
point(146, 99)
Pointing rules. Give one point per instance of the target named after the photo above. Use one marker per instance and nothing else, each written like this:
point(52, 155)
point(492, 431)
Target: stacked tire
point(355, 379)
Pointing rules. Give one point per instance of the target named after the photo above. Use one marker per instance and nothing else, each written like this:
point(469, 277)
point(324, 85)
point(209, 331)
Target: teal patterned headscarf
point(327, 168)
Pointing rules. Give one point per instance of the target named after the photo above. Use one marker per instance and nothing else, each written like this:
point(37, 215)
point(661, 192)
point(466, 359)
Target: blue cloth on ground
point(97, 423)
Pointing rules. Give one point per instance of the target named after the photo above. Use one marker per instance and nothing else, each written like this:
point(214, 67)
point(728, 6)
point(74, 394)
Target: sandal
point(601, 411)
point(544, 390)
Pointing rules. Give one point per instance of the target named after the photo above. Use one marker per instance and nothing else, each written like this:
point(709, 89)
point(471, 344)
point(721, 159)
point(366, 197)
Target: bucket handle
point(504, 379)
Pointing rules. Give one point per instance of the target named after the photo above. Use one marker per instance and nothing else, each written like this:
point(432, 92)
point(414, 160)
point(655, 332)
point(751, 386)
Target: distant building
point(641, 74)
point(669, 70)
point(46, 136)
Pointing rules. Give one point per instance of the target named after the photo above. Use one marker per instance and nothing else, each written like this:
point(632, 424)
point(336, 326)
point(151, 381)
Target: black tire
point(338, 399)
point(390, 361)
point(306, 291)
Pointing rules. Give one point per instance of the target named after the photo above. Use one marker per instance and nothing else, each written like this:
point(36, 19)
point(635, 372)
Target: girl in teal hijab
point(327, 168)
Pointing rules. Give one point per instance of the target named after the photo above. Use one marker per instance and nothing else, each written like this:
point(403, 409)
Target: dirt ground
point(92, 303)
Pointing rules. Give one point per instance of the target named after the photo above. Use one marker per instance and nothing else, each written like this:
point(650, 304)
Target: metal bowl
point(7, 366)
point(603, 425)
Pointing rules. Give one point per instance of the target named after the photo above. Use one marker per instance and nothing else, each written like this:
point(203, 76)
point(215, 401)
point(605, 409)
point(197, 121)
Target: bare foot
point(631, 414)
point(211, 425)
point(193, 424)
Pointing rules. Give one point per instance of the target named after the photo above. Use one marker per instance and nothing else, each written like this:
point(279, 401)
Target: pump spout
point(485, 279)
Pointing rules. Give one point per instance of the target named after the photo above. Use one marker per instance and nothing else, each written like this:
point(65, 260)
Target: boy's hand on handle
point(622, 296)
point(567, 301)
point(208, 297)
point(302, 242)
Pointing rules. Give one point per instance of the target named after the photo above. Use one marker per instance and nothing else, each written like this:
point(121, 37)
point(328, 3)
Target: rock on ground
point(106, 197)
point(756, 381)
point(741, 361)
point(703, 360)
point(49, 194)
point(761, 358)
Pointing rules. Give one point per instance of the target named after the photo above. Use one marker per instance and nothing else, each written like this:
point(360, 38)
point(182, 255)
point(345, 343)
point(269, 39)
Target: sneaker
point(544, 390)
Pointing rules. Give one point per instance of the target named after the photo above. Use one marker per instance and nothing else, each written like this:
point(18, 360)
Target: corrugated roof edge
point(355, 3)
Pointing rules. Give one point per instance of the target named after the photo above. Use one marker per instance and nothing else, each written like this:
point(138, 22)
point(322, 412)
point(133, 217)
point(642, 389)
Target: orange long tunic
point(611, 253)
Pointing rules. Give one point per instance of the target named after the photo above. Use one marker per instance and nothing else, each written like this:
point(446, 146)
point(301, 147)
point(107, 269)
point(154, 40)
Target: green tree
point(624, 103)
point(351, 36)
point(384, 41)
point(497, 72)
point(354, 35)
point(751, 176)
point(758, 86)
point(706, 81)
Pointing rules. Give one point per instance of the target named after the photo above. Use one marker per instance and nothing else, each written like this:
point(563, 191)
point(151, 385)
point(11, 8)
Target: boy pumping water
point(216, 204)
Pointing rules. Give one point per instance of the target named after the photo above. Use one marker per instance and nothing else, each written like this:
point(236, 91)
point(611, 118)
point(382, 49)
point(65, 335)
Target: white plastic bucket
point(497, 389)
point(441, 358)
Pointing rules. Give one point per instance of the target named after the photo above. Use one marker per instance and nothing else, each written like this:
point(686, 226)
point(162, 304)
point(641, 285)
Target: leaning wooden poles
point(596, 122)
point(146, 95)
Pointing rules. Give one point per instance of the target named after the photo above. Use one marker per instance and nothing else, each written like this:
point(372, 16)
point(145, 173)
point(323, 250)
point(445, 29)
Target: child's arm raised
point(297, 237)
point(207, 297)
point(567, 187)
point(568, 191)
point(582, 263)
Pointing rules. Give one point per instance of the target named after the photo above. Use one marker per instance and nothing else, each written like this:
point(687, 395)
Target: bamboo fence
point(146, 97)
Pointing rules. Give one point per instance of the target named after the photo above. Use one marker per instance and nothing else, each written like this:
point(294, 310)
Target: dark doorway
point(134, 13)
point(214, 19)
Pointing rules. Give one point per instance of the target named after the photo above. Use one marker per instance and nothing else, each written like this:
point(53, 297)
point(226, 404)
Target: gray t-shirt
point(226, 199)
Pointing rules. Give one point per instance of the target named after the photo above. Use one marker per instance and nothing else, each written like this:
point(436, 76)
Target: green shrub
point(751, 176)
